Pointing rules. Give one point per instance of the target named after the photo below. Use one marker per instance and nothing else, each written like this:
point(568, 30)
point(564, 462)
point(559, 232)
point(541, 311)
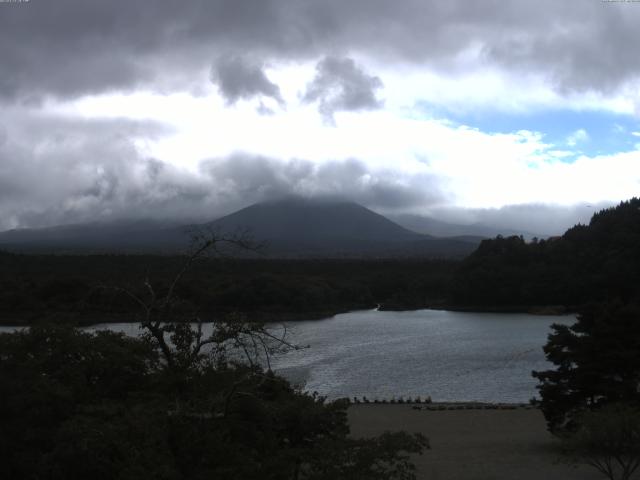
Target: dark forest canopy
point(77, 288)
point(592, 262)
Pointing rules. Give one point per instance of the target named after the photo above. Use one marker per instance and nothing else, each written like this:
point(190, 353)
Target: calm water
point(451, 356)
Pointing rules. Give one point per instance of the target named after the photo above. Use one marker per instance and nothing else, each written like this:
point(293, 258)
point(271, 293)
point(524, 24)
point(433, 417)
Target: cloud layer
point(73, 47)
point(91, 170)
point(195, 108)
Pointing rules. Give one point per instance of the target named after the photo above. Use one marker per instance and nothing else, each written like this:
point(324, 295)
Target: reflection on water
point(450, 356)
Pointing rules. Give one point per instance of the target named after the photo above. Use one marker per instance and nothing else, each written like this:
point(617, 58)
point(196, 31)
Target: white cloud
point(476, 169)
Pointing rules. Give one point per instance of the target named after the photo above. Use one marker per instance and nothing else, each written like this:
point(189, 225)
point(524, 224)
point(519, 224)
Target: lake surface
point(450, 356)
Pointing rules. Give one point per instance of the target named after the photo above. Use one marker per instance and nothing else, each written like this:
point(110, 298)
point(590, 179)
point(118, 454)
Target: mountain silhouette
point(289, 227)
point(139, 236)
point(295, 226)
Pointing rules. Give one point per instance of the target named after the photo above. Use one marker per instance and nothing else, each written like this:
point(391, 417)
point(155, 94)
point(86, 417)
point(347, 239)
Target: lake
point(450, 356)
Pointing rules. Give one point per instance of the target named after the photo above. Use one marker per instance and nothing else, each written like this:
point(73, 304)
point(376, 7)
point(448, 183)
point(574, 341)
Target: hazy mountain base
point(289, 228)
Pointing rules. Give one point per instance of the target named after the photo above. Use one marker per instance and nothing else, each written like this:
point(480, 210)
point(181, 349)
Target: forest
point(84, 289)
point(589, 263)
point(595, 262)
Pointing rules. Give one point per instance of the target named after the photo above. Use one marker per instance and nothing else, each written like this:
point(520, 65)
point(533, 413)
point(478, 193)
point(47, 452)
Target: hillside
point(592, 262)
point(290, 227)
point(139, 236)
point(302, 227)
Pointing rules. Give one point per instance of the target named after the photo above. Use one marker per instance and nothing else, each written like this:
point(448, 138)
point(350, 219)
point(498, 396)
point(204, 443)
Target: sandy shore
point(474, 444)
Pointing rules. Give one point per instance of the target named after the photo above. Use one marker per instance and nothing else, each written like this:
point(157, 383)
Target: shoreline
point(81, 319)
point(528, 309)
point(90, 319)
point(442, 406)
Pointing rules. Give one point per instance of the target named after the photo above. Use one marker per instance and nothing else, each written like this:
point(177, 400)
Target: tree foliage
point(595, 262)
point(597, 362)
point(63, 287)
point(175, 403)
point(81, 405)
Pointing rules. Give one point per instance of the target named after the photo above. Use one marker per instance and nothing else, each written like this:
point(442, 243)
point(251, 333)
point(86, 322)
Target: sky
point(518, 113)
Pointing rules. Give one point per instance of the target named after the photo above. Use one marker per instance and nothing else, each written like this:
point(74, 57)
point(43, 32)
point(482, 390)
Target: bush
point(103, 406)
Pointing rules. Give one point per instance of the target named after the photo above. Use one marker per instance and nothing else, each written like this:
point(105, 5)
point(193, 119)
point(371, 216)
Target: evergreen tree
point(597, 362)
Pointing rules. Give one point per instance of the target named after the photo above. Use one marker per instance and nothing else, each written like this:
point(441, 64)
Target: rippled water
point(450, 356)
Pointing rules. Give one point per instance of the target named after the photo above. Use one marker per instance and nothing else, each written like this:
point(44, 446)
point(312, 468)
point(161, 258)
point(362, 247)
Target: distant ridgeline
point(595, 262)
point(598, 262)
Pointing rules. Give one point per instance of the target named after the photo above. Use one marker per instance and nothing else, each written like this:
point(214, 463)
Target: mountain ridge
point(291, 227)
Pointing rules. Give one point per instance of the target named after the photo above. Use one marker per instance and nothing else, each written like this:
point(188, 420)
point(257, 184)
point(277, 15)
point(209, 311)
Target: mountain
point(137, 236)
point(309, 220)
point(438, 228)
point(304, 227)
point(291, 227)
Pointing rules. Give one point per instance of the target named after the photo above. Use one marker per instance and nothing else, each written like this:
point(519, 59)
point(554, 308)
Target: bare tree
point(180, 337)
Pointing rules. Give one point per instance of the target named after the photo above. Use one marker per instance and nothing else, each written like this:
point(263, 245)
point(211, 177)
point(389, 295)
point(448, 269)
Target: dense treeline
point(85, 288)
point(595, 262)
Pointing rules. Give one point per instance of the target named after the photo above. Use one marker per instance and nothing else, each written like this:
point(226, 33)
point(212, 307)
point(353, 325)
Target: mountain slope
point(302, 227)
point(128, 236)
point(291, 227)
point(310, 222)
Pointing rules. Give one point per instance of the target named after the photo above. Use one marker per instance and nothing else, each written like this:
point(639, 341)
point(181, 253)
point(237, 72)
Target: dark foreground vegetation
point(103, 406)
point(591, 398)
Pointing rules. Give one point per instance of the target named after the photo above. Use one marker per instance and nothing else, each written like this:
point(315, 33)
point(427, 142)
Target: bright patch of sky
point(480, 159)
point(588, 132)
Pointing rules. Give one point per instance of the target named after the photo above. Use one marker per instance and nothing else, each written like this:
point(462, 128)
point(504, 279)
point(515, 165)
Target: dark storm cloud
point(341, 85)
point(72, 47)
point(248, 178)
point(238, 78)
point(56, 170)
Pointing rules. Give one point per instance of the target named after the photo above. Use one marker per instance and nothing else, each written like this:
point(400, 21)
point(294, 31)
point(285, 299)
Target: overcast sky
point(189, 109)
